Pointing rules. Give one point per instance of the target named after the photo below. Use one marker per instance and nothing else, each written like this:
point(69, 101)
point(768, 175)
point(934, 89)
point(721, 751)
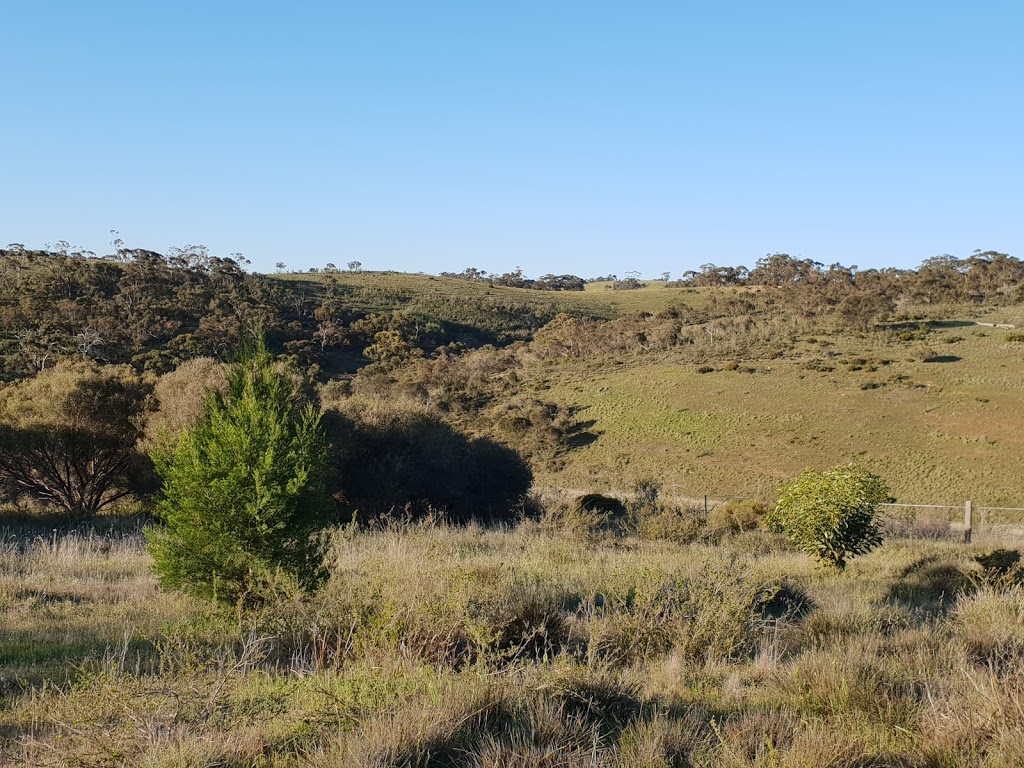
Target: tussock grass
point(526, 646)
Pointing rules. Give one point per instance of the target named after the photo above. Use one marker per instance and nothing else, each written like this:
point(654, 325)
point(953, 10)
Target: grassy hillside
point(457, 301)
point(938, 432)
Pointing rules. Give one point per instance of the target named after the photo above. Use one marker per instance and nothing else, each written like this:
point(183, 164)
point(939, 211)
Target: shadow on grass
point(581, 434)
point(929, 586)
point(26, 527)
point(27, 660)
point(931, 325)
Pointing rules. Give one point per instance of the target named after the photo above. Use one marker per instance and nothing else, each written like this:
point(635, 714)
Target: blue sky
point(568, 137)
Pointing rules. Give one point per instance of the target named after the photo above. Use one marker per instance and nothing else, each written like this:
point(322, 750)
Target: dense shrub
point(717, 615)
point(667, 522)
point(591, 514)
point(830, 515)
point(242, 492)
point(180, 397)
point(736, 516)
point(653, 517)
point(607, 506)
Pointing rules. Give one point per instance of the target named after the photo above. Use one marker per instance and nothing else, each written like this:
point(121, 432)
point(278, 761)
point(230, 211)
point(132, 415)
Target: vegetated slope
point(155, 311)
point(605, 386)
point(930, 404)
point(938, 432)
point(480, 304)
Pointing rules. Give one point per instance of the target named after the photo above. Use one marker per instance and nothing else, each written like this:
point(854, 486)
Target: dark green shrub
point(242, 491)
point(607, 506)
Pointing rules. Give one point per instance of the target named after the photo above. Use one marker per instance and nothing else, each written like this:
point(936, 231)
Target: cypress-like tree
point(242, 494)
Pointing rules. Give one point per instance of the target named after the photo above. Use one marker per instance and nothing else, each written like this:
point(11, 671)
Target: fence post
point(968, 520)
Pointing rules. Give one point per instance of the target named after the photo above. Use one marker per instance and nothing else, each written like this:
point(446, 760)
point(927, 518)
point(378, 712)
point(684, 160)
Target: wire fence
point(965, 521)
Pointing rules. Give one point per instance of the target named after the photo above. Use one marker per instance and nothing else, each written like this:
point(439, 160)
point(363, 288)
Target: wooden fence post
point(968, 520)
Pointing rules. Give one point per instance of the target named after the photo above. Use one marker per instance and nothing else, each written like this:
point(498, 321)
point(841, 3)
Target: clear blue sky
point(581, 137)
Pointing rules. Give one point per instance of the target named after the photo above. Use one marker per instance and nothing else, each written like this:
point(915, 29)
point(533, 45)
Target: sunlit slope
point(448, 298)
point(938, 432)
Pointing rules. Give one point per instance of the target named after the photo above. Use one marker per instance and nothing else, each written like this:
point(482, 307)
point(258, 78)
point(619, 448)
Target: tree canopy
point(68, 436)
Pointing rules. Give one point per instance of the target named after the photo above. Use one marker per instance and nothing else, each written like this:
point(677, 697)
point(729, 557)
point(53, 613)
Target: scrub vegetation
point(535, 645)
point(453, 521)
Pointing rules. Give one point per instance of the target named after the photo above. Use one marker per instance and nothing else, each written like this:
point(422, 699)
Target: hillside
point(931, 403)
point(724, 384)
point(938, 432)
point(452, 300)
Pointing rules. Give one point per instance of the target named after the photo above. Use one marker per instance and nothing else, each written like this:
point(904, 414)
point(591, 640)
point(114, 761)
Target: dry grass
point(437, 646)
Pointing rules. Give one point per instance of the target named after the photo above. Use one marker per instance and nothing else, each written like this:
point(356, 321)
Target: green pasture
point(938, 432)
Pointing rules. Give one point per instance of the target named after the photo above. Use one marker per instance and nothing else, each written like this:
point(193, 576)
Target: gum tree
point(68, 437)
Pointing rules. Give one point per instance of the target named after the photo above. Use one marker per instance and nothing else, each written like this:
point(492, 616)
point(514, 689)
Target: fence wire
point(948, 521)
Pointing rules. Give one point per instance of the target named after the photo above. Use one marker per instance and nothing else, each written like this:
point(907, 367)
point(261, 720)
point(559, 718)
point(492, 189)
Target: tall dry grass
point(526, 646)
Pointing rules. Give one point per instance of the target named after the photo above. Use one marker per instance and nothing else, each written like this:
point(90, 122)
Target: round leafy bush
point(830, 515)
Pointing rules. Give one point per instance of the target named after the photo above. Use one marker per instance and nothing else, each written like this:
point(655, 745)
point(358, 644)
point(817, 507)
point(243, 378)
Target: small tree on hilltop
point(242, 490)
point(830, 515)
